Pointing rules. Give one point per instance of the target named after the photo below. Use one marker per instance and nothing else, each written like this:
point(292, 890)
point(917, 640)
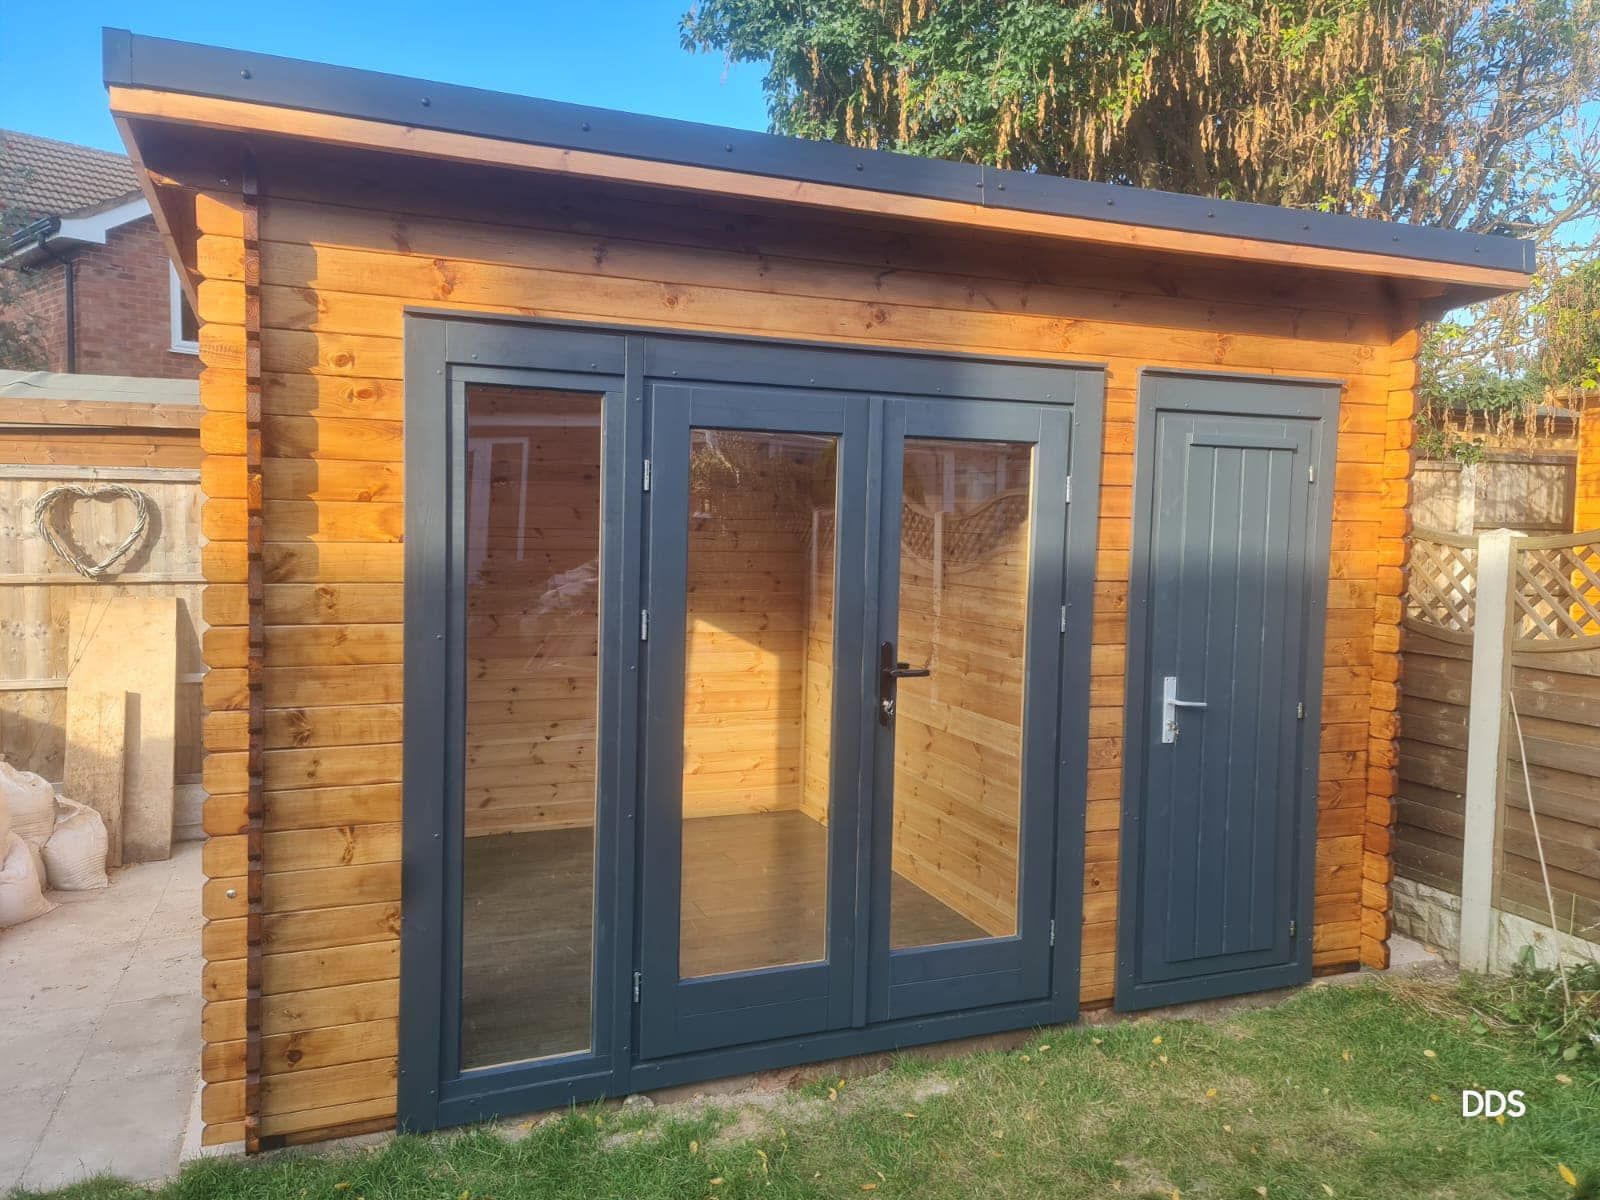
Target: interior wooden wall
point(533, 599)
point(45, 443)
point(958, 733)
point(341, 256)
point(745, 637)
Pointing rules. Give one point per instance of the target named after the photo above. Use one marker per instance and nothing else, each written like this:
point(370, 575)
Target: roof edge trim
point(158, 64)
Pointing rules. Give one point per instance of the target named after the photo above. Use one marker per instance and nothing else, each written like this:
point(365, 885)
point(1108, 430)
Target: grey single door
point(1225, 654)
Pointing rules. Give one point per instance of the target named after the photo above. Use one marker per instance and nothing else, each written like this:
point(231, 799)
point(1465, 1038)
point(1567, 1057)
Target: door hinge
point(1063, 618)
point(637, 981)
point(636, 994)
point(647, 474)
point(1052, 931)
point(1311, 474)
point(1068, 490)
point(644, 624)
point(1300, 711)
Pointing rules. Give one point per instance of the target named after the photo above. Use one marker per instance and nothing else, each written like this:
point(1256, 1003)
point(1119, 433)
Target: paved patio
point(100, 1032)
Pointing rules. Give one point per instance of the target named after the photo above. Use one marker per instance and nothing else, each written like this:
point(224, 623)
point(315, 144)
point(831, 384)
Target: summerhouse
point(685, 601)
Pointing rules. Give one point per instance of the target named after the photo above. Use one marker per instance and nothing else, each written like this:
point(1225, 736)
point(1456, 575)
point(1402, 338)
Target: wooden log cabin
point(684, 601)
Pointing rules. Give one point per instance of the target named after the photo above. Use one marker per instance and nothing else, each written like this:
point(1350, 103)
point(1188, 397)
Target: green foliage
point(1560, 1008)
point(1569, 314)
point(1470, 114)
point(21, 348)
point(1446, 445)
point(1465, 113)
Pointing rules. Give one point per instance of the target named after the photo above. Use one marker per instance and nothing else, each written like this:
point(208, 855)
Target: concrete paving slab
point(100, 1049)
point(139, 1037)
point(41, 1047)
point(162, 966)
point(104, 1126)
point(24, 1113)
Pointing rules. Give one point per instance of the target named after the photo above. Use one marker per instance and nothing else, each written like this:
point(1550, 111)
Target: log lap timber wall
point(344, 250)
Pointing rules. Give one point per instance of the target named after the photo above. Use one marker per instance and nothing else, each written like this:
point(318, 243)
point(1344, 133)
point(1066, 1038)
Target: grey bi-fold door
point(1230, 566)
point(851, 773)
point(745, 706)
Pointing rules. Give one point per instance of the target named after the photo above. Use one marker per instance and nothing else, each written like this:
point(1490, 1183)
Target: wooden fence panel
point(38, 590)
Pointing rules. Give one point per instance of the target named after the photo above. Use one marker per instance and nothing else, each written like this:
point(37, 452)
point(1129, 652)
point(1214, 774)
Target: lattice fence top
point(1442, 588)
point(1555, 589)
point(967, 538)
point(1556, 594)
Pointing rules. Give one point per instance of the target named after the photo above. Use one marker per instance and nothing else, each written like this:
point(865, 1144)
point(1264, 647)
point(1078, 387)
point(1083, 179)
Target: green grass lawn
point(1348, 1091)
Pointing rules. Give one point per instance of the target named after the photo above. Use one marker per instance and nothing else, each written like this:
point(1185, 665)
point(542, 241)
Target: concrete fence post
point(1491, 675)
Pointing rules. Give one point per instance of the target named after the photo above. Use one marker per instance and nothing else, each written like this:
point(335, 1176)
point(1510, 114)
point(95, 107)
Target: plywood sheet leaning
point(124, 645)
point(97, 726)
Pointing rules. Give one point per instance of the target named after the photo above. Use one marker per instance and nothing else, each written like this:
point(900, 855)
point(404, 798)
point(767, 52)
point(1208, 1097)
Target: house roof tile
point(42, 177)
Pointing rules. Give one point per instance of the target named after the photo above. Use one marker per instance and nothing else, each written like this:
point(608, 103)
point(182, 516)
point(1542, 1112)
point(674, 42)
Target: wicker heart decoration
point(44, 514)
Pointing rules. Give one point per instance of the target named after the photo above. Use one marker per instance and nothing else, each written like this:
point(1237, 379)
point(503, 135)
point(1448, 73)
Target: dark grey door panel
point(1226, 615)
point(660, 1015)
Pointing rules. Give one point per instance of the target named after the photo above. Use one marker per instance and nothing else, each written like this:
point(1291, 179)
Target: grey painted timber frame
point(131, 60)
point(1245, 395)
point(444, 352)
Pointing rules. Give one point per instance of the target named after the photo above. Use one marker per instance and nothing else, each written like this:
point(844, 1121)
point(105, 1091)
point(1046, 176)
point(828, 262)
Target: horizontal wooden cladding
point(291, 1097)
point(807, 260)
point(344, 333)
point(307, 1050)
point(304, 969)
point(313, 929)
point(480, 265)
point(307, 687)
point(294, 1012)
point(304, 562)
point(302, 891)
point(332, 129)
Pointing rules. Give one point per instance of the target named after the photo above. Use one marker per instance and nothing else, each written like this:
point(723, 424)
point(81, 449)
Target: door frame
point(714, 1011)
point(919, 980)
point(1174, 390)
point(444, 347)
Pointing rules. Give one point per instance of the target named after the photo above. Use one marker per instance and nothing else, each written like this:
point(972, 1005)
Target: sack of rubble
point(75, 855)
point(31, 801)
point(21, 893)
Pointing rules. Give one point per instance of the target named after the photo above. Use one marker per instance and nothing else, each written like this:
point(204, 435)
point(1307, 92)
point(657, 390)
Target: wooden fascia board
point(330, 129)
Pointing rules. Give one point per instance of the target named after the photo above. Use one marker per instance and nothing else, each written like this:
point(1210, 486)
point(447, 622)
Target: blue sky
point(614, 53)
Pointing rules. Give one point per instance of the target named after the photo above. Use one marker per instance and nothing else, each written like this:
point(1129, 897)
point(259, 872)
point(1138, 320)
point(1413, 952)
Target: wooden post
point(1491, 665)
point(1467, 484)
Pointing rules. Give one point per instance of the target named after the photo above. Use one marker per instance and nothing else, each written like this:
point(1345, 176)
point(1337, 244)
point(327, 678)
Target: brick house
point(92, 289)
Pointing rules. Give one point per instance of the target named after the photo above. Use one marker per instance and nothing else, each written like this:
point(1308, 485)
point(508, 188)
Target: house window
point(185, 325)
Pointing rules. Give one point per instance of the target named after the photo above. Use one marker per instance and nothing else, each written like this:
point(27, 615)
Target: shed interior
point(757, 705)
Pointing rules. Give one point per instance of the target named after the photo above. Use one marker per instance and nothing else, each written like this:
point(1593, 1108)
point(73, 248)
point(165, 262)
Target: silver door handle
point(1170, 704)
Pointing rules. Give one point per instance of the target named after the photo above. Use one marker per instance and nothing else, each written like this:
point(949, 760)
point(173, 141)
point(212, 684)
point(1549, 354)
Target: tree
point(21, 348)
point(1470, 114)
point(1462, 113)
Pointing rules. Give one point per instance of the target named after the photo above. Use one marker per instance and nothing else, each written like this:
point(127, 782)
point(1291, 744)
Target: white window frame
point(175, 314)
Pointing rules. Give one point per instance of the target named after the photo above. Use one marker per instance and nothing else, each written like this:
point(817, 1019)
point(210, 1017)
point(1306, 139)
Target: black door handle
point(890, 671)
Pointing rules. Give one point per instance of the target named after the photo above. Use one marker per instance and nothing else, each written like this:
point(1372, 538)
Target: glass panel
point(532, 610)
point(758, 699)
point(964, 521)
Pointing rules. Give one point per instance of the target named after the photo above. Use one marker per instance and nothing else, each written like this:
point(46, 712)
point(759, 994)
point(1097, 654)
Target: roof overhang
point(60, 235)
point(178, 83)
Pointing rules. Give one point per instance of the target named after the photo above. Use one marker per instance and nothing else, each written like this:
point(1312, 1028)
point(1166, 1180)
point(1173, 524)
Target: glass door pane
point(758, 699)
point(963, 609)
point(532, 522)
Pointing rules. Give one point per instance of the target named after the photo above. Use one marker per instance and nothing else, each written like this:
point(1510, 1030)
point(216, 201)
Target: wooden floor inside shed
point(753, 878)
